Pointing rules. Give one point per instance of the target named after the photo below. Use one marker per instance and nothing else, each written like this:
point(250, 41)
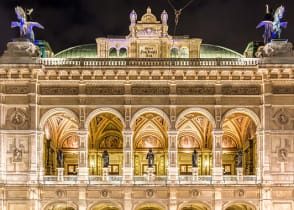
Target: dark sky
point(230, 23)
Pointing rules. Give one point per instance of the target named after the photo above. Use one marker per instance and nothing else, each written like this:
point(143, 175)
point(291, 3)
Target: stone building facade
point(146, 91)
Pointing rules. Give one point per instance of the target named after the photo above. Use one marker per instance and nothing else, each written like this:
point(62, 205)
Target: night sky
point(229, 23)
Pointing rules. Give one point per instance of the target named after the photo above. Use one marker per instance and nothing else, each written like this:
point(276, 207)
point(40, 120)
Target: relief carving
point(17, 119)
point(283, 90)
point(229, 90)
point(150, 90)
point(282, 154)
point(281, 117)
point(149, 193)
point(105, 90)
point(17, 90)
point(195, 193)
point(59, 90)
point(104, 193)
point(17, 153)
point(195, 90)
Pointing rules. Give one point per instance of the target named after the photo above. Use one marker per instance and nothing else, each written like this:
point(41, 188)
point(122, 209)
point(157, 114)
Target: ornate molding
point(107, 90)
point(59, 90)
point(241, 90)
point(283, 90)
point(17, 89)
point(150, 90)
point(197, 90)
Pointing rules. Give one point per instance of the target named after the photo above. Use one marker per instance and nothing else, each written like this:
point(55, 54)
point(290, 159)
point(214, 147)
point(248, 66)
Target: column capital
point(82, 132)
point(217, 132)
point(127, 132)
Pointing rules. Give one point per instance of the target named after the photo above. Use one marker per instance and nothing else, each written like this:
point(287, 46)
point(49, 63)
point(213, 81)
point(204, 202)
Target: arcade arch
point(239, 142)
point(150, 132)
point(61, 206)
point(194, 206)
point(150, 206)
point(105, 206)
point(195, 133)
point(105, 134)
point(239, 206)
point(61, 137)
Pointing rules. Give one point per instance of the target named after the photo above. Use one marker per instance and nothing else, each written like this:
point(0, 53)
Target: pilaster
point(83, 156)
point(217, 169)
point(128, 165)
point(172, 156)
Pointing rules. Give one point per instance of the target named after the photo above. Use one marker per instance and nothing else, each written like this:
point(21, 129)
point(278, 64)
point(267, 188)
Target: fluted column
point(217, 169)
point(172, 156)
point(83, 156)
point(128, 164)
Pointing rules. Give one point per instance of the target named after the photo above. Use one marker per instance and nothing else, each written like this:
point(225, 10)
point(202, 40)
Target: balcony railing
point(148, 62)
point(154, 180)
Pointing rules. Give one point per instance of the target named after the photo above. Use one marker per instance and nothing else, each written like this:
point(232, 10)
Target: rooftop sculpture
point(25, 27)
point(272, 24)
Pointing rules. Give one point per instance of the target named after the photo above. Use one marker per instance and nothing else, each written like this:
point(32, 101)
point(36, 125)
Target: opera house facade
point(126, 96)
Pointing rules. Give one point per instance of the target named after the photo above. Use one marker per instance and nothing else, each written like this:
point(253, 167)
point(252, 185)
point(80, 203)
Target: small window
point(174, 52)
point(123, 52)
point(184, 52)
point(112, 52)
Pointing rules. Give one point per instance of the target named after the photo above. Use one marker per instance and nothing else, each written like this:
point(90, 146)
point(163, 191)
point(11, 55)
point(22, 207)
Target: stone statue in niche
point(282, 154)
point(17, 154)
point(150, 158)
point(194, 159)
point(105, 157)
point(239, 159)
point(59, 158)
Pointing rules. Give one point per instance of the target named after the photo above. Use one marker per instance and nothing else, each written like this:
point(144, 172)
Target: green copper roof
point(215, 51)
point(80, 51)
point(90, 51)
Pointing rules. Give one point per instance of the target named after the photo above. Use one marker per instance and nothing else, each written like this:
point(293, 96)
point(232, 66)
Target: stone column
point(172, 156)
point(239, 174)
point(60, 174)
point(217, 169)
point(83, 170)
point(263, 159)
point(128, 165)
point(2, 156)
point(195, 174)
point(218, 199)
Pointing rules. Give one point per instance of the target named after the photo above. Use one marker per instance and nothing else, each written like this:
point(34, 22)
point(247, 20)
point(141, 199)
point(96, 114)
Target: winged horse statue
point(272, 24)
point(25, 27)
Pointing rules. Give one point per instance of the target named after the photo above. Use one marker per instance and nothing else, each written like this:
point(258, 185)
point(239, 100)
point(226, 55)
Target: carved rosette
point(149, 193)
point(281, 118)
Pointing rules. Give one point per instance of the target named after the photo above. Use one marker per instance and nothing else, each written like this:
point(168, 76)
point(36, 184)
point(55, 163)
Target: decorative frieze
point(199, 90)
point(59, 90)
point(150, 90)
point(17, 90)
point(283, 90)
point(241, 90)
point(107, 90)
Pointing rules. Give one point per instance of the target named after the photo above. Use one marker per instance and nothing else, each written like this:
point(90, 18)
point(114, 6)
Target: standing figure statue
point(150, 157)
point(272, 24)
point(59, 158)
point(239, 159)
point(105, 157)
point(194, 159)
point(25, 27)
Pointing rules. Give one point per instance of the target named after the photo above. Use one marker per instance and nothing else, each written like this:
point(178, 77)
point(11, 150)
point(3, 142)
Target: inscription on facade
point(149, 51)
point(59, 90)
point(17, 89)
point(105, 90)
point(283, 90)
point(150, 90)
point(251, 90)
point(182, 90)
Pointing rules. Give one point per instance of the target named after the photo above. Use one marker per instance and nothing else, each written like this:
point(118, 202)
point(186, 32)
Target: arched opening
point(174, 52)
point(112, 52)
point(150, 133)
point(239, 144)
point(105, 206)
point(61, 144)
point(105, 134)
point(123, 53)
point(194, 206)
point(184, 52)
point(60, 206)
point(194, 134)
point(150, 206)
point(240, 206)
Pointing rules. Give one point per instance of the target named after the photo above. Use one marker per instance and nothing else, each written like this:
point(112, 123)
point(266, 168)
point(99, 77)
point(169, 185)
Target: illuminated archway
point(61, 206)
point(150, 206)
point(194, 205)
point(105, 134)
point(239, 142)
point(194, 134)
point(105, 206)
point(150, 132)
point(60, 130)
point(239, 206)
